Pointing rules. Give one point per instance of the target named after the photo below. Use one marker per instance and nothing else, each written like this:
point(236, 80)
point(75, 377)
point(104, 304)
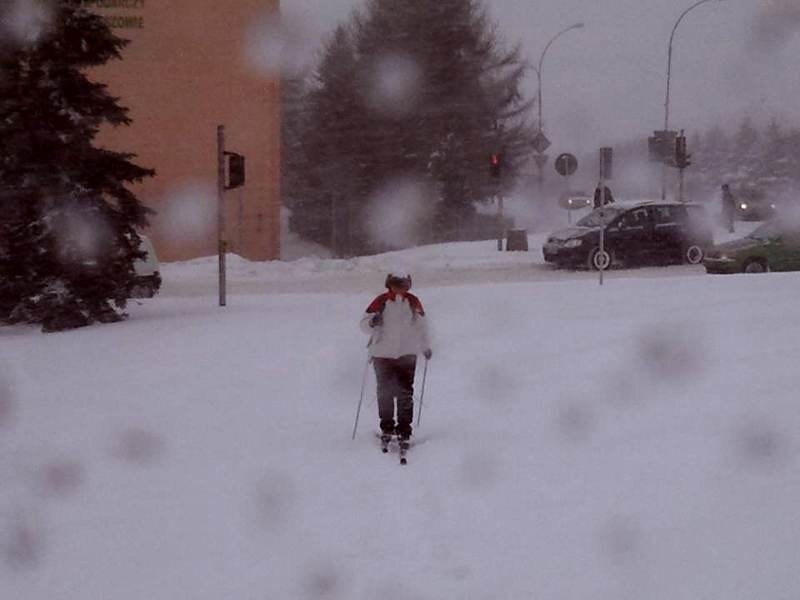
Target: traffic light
point(681, 156)
point(495, 165)
point(236, 170)
point(661, 146)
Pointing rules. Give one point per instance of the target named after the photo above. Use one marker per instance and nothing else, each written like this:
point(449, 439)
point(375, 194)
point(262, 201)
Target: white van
point(148, 277)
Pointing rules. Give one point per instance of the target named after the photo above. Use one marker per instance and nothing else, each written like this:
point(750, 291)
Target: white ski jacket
point(404, 330)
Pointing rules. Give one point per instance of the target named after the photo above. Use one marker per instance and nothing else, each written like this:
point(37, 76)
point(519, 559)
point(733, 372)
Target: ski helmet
point(399, 280)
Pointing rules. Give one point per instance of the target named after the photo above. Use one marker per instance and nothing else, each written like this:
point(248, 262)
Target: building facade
point(188, 68)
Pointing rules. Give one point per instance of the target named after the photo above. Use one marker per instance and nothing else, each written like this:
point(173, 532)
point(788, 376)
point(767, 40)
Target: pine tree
point(329, 154)
point(469, 106)
point(293, 127)
point(67, 231)
point(465, 106)
point(716, 163)
point(775, 160)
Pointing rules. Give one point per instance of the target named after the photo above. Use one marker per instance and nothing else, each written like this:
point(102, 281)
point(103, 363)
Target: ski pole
point(361, 397)
point(422, 392)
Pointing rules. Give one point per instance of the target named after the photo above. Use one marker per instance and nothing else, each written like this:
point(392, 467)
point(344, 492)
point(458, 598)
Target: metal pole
point(669, 76)
point(541, 62)
point(240, 222)
point(500, 224)
point(422, 393)
point(540, 175)
point(221, 244)
point(569, 204)
point(602, 221)
point(602, 211)
point(361, 397)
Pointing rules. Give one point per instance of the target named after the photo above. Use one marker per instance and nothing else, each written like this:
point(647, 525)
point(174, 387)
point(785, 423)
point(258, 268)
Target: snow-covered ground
point(639, 439)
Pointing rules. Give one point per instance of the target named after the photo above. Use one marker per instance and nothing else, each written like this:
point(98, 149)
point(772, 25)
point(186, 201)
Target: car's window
point(767, 231)
point(624, 221)
point(593, 218)
point(668, 214)
point(634, 218)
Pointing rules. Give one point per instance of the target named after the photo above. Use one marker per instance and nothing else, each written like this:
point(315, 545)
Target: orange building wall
point(184, 72)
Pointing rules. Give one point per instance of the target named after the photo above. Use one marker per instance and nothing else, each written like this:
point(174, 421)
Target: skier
point(398, 330)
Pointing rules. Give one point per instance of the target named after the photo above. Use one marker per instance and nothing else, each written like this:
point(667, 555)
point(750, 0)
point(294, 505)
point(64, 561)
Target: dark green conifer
point(68, 222)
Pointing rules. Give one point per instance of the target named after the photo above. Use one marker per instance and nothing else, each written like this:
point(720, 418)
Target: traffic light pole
point(669, 78)
point(602, 222)
point(606, 158)
point(501, 233)
point(681, 161)
point(221, 244)
point(495, 172)
point(567, 187)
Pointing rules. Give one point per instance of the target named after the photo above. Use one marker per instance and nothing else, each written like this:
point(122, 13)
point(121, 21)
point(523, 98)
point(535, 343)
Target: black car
point(649, 232)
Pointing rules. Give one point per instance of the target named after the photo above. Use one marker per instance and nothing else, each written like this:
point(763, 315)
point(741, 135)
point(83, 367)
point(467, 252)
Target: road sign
point(540, 159)
point(566, 164)
point(540, 142)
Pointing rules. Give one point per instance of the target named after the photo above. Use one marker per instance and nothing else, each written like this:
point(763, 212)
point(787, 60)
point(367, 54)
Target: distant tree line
point(762, 159)
point(765, 158)
point(422, 91)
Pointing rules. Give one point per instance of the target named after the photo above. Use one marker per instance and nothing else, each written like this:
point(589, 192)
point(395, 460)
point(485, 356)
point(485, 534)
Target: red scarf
point(378, 304)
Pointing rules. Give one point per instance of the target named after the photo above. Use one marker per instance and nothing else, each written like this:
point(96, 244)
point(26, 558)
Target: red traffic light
point(495, 164)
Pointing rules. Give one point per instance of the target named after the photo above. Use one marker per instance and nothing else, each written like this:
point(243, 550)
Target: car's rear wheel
point(756, 266)
point(693, 254)
point(599, 260)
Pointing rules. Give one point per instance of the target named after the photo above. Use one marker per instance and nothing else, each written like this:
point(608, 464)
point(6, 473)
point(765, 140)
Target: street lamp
point(540, 159)
point(541, 62)
point(669, 76)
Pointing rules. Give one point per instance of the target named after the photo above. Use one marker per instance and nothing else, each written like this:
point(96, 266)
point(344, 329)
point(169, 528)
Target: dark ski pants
point(396, 380)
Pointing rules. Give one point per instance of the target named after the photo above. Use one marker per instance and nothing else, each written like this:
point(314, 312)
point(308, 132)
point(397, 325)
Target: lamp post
point(541, 62)
point(540, 164)
point(669, 76)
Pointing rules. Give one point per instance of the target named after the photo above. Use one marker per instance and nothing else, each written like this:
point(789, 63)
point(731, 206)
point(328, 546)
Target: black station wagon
point(638, 233)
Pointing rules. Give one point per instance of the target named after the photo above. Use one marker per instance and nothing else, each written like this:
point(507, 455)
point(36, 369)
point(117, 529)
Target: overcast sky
point(606, 82)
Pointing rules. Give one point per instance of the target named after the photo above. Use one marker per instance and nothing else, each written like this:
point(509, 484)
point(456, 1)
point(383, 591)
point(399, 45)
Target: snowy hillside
point(639, 440)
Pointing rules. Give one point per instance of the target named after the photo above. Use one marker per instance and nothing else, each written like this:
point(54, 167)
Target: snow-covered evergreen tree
point(327, 162)
point(422, 90)
point(67, 221)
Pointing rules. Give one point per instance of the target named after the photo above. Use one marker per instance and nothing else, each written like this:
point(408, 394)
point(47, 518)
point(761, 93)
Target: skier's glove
point(377, 320)
point(427, 354)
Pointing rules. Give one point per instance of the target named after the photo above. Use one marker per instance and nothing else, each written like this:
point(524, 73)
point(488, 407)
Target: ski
point(387, 445)
point(404, 446)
